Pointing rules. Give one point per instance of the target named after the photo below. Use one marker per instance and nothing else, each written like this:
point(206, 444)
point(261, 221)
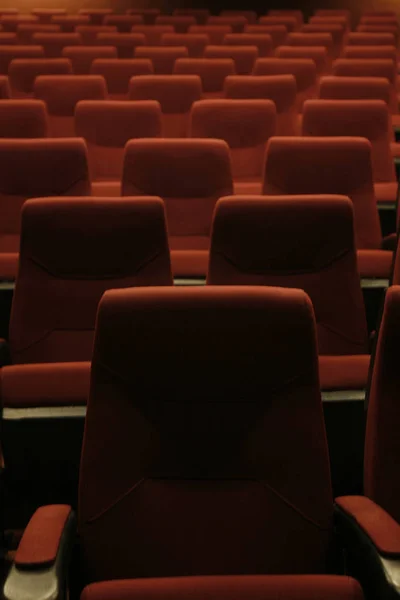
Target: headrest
point(121, 39)
point(175, 93)
point(62, 92)
point(291, 23)
point(358, 38)
point(212, 71)
point(281, 89)
point(310, 39)
point(263, 41)
point(357, 88)
point(243, 56)
point(371, 67)
point(303, 69)
point(23, 119)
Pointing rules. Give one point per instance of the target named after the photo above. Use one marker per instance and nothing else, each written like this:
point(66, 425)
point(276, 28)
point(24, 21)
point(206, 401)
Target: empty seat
point(246, 126)
point(123, 23)
point(54, 43)
point(291, 23)
point(215, 33)
point(244, 57)
point(96, 15)
point(162, 58)
point(355, 88)
point(311, 39)
point(194, 42)
point(334, 12)
point(318, 54)
point(25, 31)
point(5, 90)
point(61, 93)
point(89, 33)
point(212, 72)
point(380, 29)
point(180, 23)
point(380, 19)
point(237, 22)
point(81, 57)
point(337, 33)
point(286, 12)
point(106, 127)
point(8, 53)
point(303, 69)
point(68, 23)
point(11, 22)
point(336, 165)
point(304, 242)
point(153, 33)
point(48, 167)
point(175, 94)
point(8, 38)
point(281, 89)
point(363, 118)
point(118, 73)
point(125, 43)
point(370, 52)
point(278, 33)
point(357, 38)
point(341, 20)
point(45, 15)
point(148, 15)
point(23, 72)
point(200, 14)
point(250, 15)
point(263, 42)
point(190, 175)
point(23, 119)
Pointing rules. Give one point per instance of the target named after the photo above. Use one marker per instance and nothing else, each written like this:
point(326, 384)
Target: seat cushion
point(386, 192)
point(344, 372)
point(251, 187)
point(189, 263)
point(106, 189)
point(375, 263)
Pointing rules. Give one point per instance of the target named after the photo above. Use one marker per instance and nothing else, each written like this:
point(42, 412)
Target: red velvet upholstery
point(45, 15)
point(8, 53)
point(162, 57)
point(291, 23)
point(370, 52)
point(123, 23)
point(335, 12)
point(355, 88)
point(215, 33)
point(190, 478)
point(348, 372)
point(25, 31)
point(244, 57)
point(107, 126)
point(278, 33)
point(153, 33)
point(175, 94)
point(118, 73)
point(23, 72)
point(8, 38)
point(125, 43)
point(250, 15)
point(260, 587)
point(336, 30)
point(190, 175)
point(295, 241)
point(200, 14)
point(380, 20)
point(287, 12)
point(47, 384)
point(81, 57)
point(263, 42)
point(382, 446)
point(61, 93)
point(180, 23)
point(69, 22)
point(23, 119)
point(89, 33)
point(324, 165)
point(281, 89)
point(53, 43)
point(96, 15)
point(237, 22)
point(193, 42)
point(318, 54)
point(40, 542)
point(246, 126)
point(10, 22)
point(311, 39)
point(5, 91)
point(376, 28)
point(357, 38)
point(212, 71)
point(48, 166)
point(72, 250)
point(149, 15)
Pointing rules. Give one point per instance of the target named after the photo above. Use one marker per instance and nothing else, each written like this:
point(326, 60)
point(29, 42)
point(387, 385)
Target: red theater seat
point(285, 12)
point(291, 23)
point(355, 88)
point(174, 93)
point(356, 38)
point(8, 53)
point(337, 32)
point(279, 88)
point(246, 126)
point(5, 90)
point(318, 54)
point(370, 52)
point(194, 42)
point(45, 15)
point(148, 15)
point(278, 33)
point(244, 57)
point(190, 175)
point(25, 31)
point(381, 29)
point(236, 22)
point(96, 15)
point(54, 43)
point(82, 57)
point(89, 33)
point(263, 42)
point(106, 127)
point(249, 15)
point(61, 94)
point(311, 39)
point(125, 43)
point(163, 58)
point(11, 22)
point(69, 22)
point(200, 14)
point(23, 72)
point(123, 23)
point(23, 119)
point(118, 73)
point(216, 33)
point(8, 38)
point(212, 72)
point(153, 33)
point(180, 23)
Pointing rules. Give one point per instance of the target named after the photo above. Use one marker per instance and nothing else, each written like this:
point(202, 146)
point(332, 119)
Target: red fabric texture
point(193, 42)
point(318, 54)
point(291, 23)
point(81, 57)
point(250, 15)
point(287, 12)
point(89, 33)
point(335, 29)
point(40, 385)
point(153, 33)
point(180, 23)
point(344, 372)
point(45, 15)
point(370, 52)
point(162, 57)
point(303, 69)
point(212, 71)
point(238, 476)
point(9, 53)
point(200, 14)
point(118, 72)
point(8, 265)
point(40, 542)
point(123, 23)
point(380, 527)
point(382, 445)
point(149, 15)
point(360, 38)
point(25, 31)
point(69, 22)
point(96, 15)
point(301, 242)
point(61, 93)
point(23, 119)
point(23, 72)
point(125, 43)
point(216, 33)
point(263, 42)
point(278, 33)
point(191, 176)
point(53, 43)
point(244, 57)
point(323, 39)
point(355, 88)
point(188, 263)
point(116, 243)
point(375, 263)
point(259, 587)
point(236, 22)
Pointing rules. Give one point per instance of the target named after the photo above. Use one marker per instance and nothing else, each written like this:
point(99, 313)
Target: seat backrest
point(5, 90)
point(175, 94)
point(245, 125)
point(8, 38)
point(291, 23)
point(53, 43)
point(107, 126)
point(357, 38)
point(311, 39)
point(194, 42)
point(355, 88)
point(9, 53)
point(23, 72)
point(117, 73)
point(281, 89)
point(25, 31)
point(81, 57)
point(148, 15)
point(69, 22)
point(153, 33)
point(45, 15)
point(336, 31)
point(318, 54)
point(200, 14)
point(244, 57)
point(370, 52)
point(72, 251)
point(37, 167)
point(263, 42)
point(125, 43)
point(89, 33)
point(250, 15)
point(342, 20)
point(382, 450)
point(364, 118)
point(61, 94)
point(212, 71)
point(162, 57)
point(96, 15)
point(190, 175)
point(23, 119)
point(278, 33)
point(215, 33)
point(193, 459)
point(287, 12)
point(237, 22)
point(304, 242)
point(123, 23)
point(10, 22)
point(327, 165)
point(180, 23)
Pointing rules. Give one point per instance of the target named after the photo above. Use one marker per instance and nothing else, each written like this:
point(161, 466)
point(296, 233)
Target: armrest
point(371, 540)
point(42, 560)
